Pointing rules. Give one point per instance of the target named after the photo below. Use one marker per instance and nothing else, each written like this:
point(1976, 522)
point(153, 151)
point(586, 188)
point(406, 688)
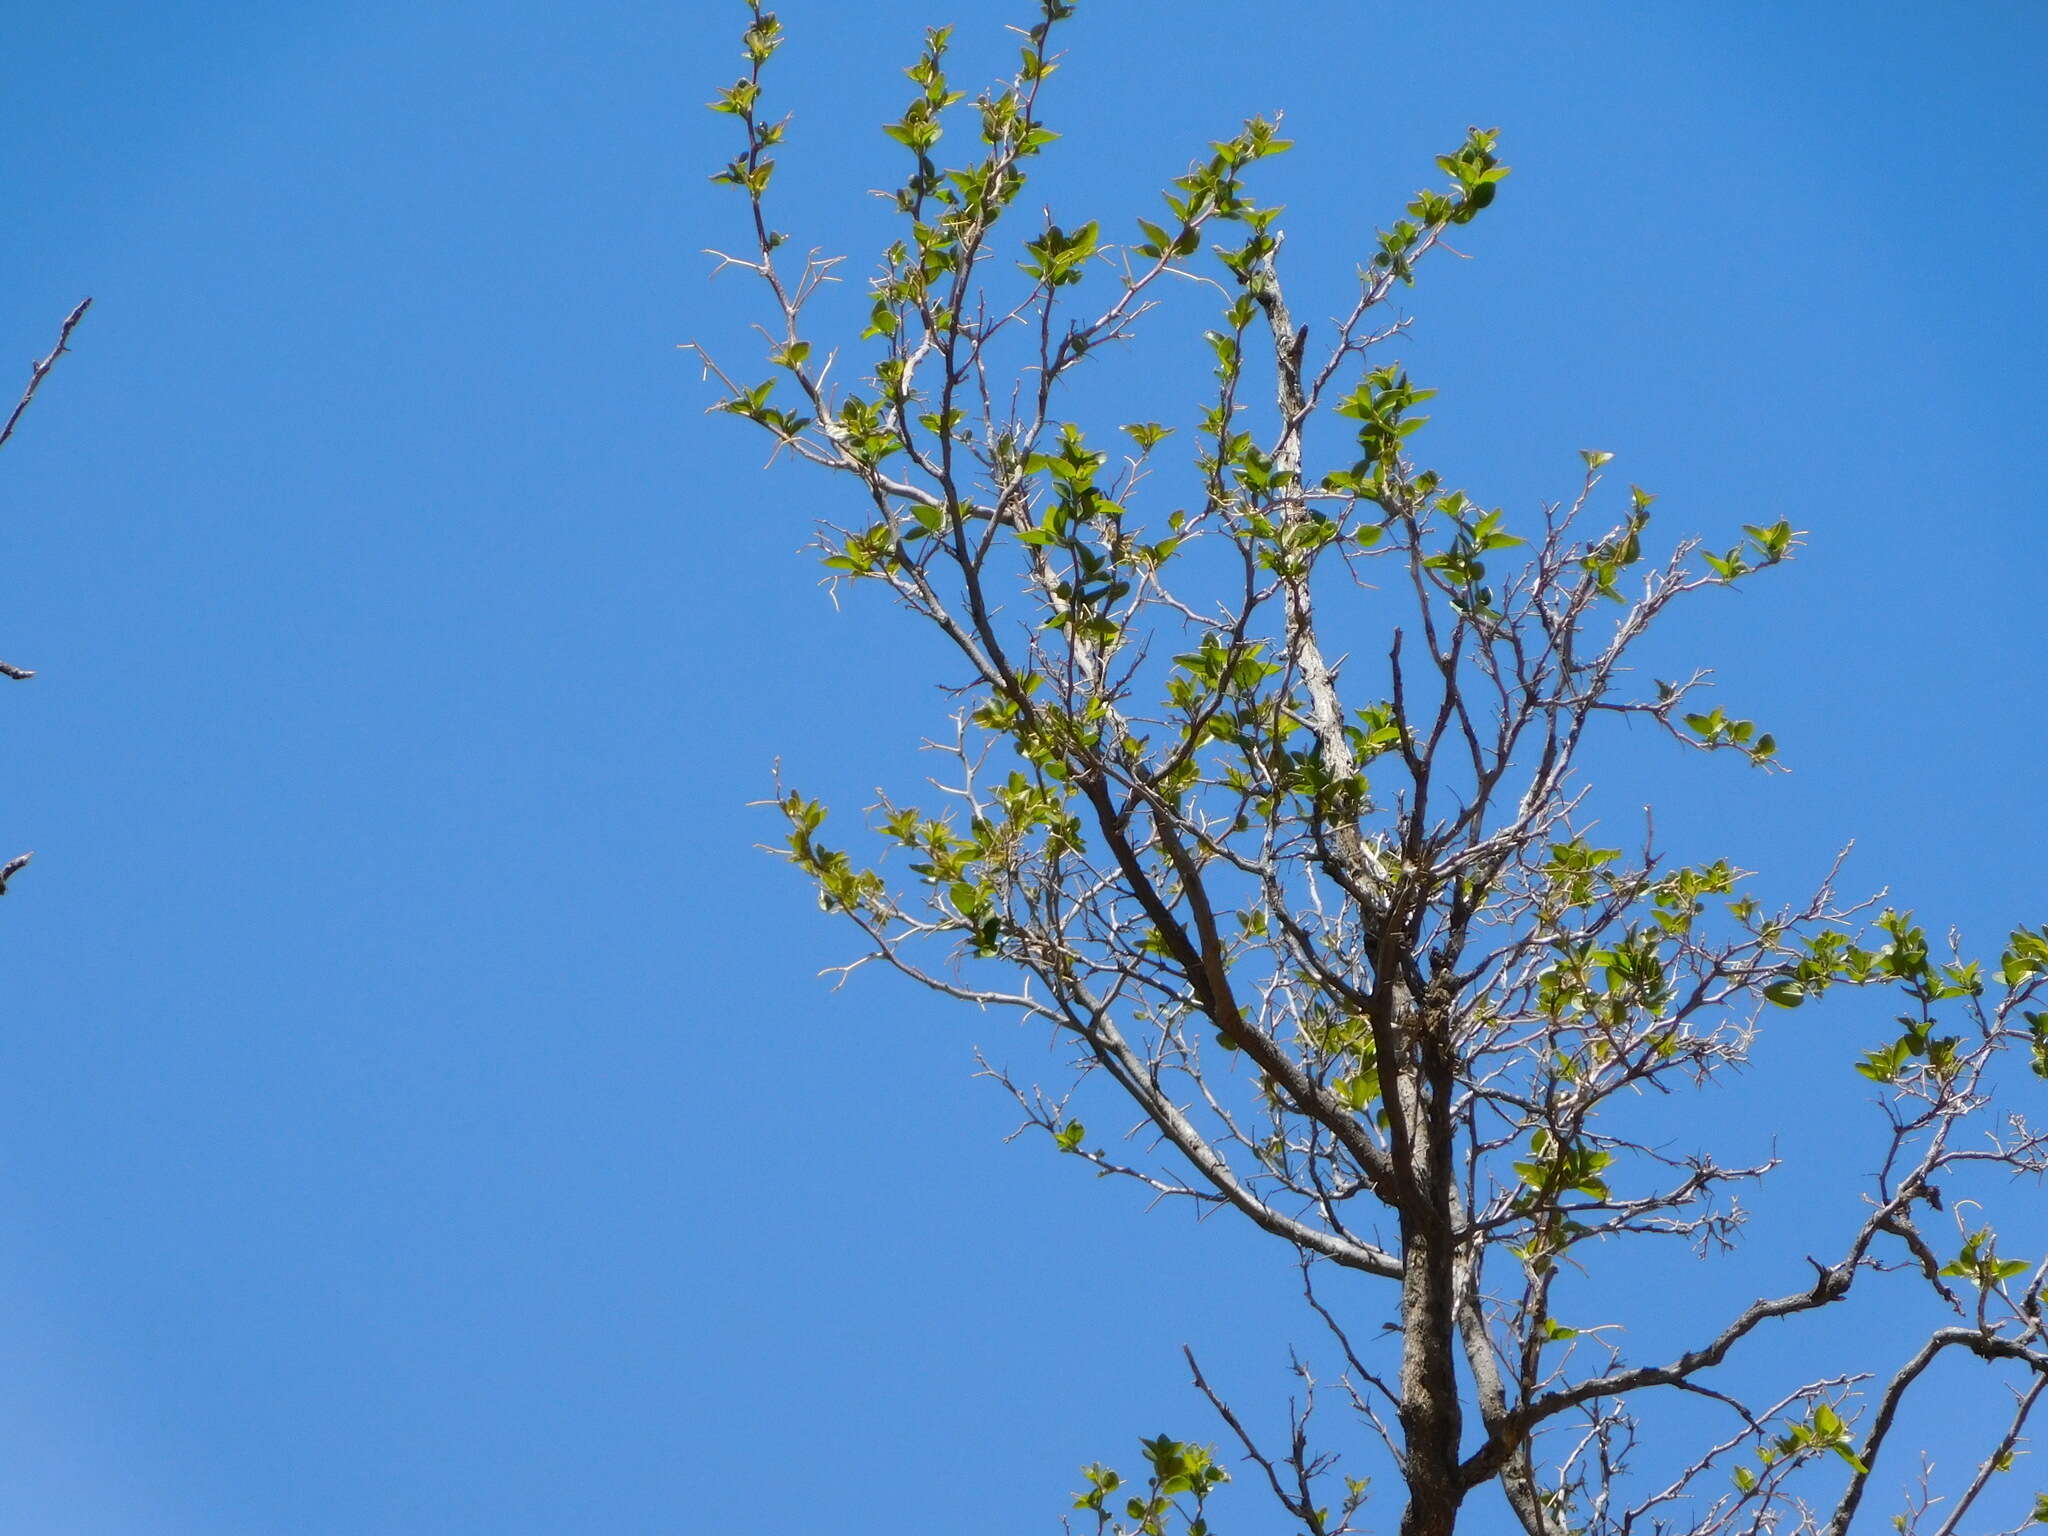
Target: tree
point(1347, 946)
point(38, 371)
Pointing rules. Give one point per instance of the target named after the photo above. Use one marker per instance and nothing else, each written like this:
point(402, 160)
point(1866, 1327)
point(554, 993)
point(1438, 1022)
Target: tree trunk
point(1432, 1420)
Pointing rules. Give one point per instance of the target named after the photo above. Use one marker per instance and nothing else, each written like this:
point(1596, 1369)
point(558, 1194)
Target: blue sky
point(418, 1109)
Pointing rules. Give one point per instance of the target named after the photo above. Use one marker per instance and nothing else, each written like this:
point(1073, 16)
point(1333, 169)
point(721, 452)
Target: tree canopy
point(1268, 794)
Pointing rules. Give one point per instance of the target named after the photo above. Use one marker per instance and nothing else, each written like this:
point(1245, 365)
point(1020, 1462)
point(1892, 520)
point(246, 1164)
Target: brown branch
point(41, 369)
point(1832, 1285)
point(1887, 1411)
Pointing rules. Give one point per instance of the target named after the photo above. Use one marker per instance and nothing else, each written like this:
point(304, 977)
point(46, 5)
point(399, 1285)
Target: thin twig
point(41, 369)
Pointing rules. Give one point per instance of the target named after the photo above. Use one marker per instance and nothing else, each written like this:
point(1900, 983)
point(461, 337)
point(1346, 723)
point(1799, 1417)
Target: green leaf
point(1884, 1066)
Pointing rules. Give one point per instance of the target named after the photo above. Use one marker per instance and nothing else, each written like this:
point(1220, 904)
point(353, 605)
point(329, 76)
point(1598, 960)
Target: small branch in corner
point(40, 370)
